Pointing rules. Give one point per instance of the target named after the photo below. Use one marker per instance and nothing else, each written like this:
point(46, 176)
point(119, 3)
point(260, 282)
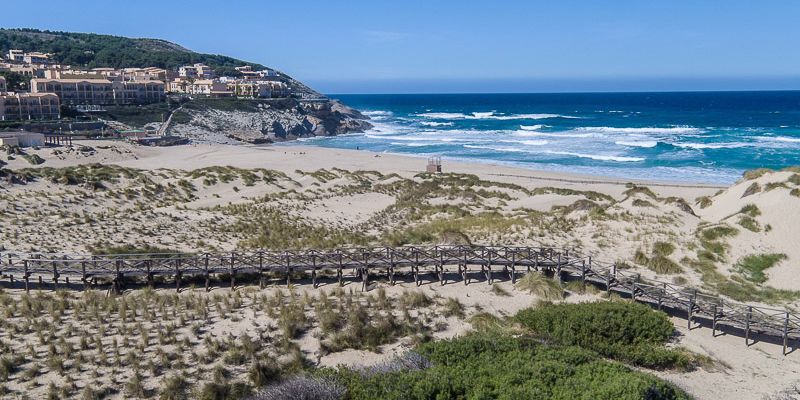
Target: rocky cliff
point(264, 121)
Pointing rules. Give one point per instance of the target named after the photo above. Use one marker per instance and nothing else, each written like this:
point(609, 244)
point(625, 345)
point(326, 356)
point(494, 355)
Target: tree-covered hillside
point(93, 50)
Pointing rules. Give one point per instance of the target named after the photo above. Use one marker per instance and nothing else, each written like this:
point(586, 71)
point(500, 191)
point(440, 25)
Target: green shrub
point(628, 332)
point(491, 366)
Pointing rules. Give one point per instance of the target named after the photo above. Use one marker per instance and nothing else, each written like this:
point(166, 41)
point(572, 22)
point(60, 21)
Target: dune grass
point(752, 267)
point(541, 286)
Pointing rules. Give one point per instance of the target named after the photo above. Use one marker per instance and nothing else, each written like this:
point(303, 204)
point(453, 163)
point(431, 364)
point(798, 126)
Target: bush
point(494, 366)
point(628, 332)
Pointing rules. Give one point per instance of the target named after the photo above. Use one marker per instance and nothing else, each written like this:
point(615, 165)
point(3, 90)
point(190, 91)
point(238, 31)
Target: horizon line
point(570, 92)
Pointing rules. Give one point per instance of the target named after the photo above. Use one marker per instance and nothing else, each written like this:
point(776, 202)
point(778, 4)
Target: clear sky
point(467, 46)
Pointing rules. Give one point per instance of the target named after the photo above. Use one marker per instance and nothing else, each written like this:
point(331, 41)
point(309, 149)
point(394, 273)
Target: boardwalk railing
point(414, 261)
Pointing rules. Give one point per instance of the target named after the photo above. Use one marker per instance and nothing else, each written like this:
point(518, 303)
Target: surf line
point(620, 182)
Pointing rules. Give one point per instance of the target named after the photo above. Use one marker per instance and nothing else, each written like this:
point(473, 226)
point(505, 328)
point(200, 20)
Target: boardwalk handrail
point(366, 261)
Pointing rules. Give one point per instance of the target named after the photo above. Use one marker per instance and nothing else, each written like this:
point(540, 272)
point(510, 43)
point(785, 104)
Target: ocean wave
point(784, 139)
point(566, 134)
point(531, 127)
point(631, 143)
point(414, 144)
point(488, 115)
point(495, 148)
point(377, 113)
point(662, 131)
point(701, 146)
point(435, 124)
point(598, 157)
point(528, 142)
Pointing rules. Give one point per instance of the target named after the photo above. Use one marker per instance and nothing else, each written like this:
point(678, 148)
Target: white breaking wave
point(377, 113)
point(627, 131)
point(784, 139)
point(598, 157)
point(434, 123)
point(488, 115)
point(528, 142)
point(700, 146)
point(645, 143)
point(496, 148)
point(414, 144)
point(567, 134)
point(531, 127)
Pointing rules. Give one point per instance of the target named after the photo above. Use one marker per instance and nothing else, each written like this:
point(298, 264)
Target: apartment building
point(36, 58)
point(261, 89)
point(28, 106)
point(209, 87)
point(138, 92)
point(196, 71)
point(15, 55)
point(101, 91)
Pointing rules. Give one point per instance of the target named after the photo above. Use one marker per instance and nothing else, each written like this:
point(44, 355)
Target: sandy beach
point(224, 197)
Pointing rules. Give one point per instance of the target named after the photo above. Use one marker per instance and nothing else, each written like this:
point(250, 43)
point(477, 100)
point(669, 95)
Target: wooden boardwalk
point(424, 263)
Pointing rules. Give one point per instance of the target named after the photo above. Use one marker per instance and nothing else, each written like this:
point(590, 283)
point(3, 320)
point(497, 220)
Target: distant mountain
point(92, 50)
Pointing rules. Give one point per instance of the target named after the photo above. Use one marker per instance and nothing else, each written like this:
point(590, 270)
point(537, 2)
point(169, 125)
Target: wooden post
point(339, 271)
point(261, 270)
point(489, 268)
point(785, 332)
point(233, 271)
point(364, 279)
point(440, 270)
point(690, 310)
point(208, 276)
point(314, 271)
point(177, 277)
point(513, 274)
point(583, 273)
point(747, 326)
point(661, 294)
point(558, 269)
point(27, 276)
point(365, 273)
point(55, 276)
point(714, 322)
point(415, 268)
point(117, 283)
point(149, 274)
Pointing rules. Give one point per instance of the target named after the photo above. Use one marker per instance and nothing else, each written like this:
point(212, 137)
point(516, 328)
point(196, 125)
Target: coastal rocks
point(233, 121)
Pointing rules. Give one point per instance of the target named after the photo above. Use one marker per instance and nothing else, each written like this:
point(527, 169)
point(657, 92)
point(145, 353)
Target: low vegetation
point(752, 267)
point(629, 332)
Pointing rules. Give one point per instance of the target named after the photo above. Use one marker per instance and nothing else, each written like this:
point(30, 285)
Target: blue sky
point(468, 46)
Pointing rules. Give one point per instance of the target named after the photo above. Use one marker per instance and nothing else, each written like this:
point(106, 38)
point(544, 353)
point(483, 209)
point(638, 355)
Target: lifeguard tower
point(434, 165)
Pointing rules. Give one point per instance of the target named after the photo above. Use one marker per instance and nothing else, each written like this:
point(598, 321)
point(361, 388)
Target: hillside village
point(46, 86)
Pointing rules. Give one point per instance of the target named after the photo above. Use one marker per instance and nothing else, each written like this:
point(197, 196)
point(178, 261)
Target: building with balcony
point(101, 91)
point(196, 71)
point(29, 106)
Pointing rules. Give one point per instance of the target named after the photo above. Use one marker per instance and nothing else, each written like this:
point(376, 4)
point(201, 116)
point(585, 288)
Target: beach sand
point(631, 222)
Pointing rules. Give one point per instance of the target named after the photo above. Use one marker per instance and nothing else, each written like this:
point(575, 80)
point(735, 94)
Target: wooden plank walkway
point(419, 262)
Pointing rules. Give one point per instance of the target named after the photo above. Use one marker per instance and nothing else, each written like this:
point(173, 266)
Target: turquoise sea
point(694, 137)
